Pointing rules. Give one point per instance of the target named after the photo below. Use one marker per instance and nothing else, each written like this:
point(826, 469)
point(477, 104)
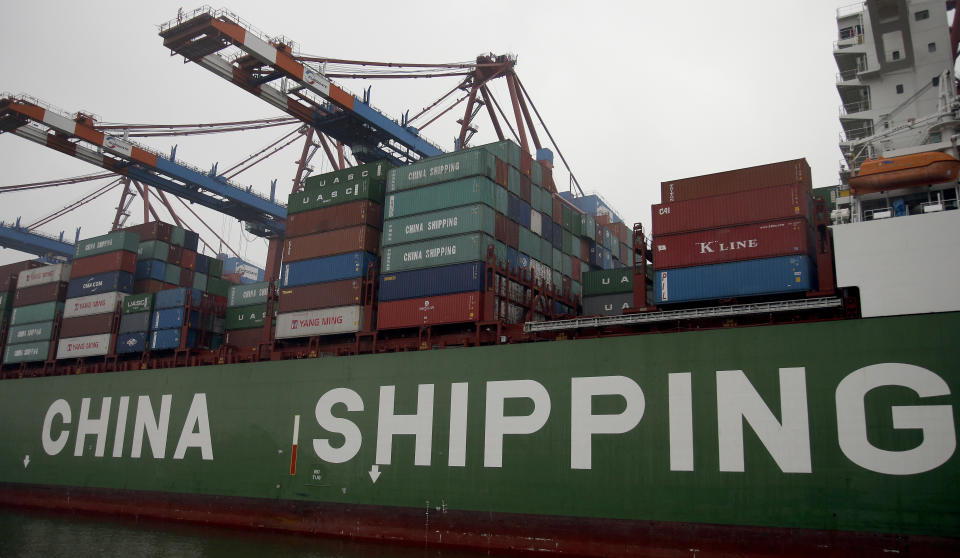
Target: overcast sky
point(635, 93)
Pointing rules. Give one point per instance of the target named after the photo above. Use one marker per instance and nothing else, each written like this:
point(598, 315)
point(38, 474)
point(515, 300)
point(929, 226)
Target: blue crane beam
point(19, 238)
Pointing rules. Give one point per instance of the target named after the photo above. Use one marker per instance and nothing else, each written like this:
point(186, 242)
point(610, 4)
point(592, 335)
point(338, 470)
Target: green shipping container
point(153, 250)
point(247, 295)
point(436, 224)
point(546, 204)
point(6, 302)
point(26, 352)
point(588, 226)
point(375, 171)
point(566, 217)
point(535, 195)
point(529, 243)
point(135, 303)
point(546, 252)
point(567, 242)
point(30, 333)
point(466, 191)
point(567, 265)
point(172, 274)
point(575, 289)
point(505, 150)
point(217, 286)
point(200, 281)
point(335, 194)
point(216, 269)
point(442, 251)
point(608, 281)
point(557, 263)
point(43, 312)
point(536, 174)
point(443, 168)
point(112, 242)
point(557, 279)
point(178, 236)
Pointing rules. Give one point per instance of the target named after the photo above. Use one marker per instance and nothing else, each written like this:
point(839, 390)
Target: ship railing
point(853, 108)
point(686, 314)
point(850, 9)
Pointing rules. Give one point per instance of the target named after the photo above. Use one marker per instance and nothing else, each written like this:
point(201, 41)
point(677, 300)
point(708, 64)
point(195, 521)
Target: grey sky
point(634, 92)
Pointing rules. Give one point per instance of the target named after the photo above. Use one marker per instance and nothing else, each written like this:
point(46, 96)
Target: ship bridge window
point(931, 47)
point(899, 88)
point(935, 81)
point(921, 15)
point(896, 55)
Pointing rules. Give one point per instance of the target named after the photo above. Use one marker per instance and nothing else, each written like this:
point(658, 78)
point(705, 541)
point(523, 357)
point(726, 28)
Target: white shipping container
point(88, 345)
point(90, 305)
point(43, 275)
point(323, 321)
point(536, 222)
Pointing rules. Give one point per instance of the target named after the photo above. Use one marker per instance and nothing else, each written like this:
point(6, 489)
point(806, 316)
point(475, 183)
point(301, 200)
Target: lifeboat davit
point(905, 171)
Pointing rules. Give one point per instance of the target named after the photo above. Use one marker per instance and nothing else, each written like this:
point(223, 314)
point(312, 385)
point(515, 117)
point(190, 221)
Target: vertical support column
point(639, 267)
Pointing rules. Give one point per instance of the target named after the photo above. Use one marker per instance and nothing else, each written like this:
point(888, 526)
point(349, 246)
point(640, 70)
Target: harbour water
point(29, 533)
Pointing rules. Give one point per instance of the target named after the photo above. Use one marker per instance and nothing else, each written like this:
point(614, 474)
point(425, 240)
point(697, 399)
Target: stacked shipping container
point(37, 304)
point(607, 292)
point(247, 314)
point(332, 239)
point(137, 309)
point(739, 233)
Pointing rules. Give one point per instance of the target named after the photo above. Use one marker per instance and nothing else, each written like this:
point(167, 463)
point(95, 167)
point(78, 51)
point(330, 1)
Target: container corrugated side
point(172, 298)
point(432, 310)
point(347, 292)
point(26, 352)
point(86, 325)
point(441, 251)
point(110, 242)
point(168, 318)
point(132, 342)
point(135, 303)
point(466, 191)
point(735, 279)
point(362, 212)
point(245, 295)
point(375, 170)
point(243, 317)
point(102, 283)
point(322, 270)
point(42, 275)
point(443, 168)
point(101, 303)
point(165, 339)
point(85, 346)
point(41, 293)
point(153, 250)
point(444, 222)
point(770, 239)
point(112, 261)
point(796, 171)
point(130, 323)
point(764, 204)
point(335, 194)
point(244, 339)
point(150, 269)
point(154, 230)
point(30, 333)
point(607, 281)
point(323, 321)
point(331, 243)
point(43, 312)
point(432, 281)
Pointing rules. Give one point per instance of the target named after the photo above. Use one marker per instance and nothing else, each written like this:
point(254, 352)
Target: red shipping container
point(513, 234)
point(188, 260)
point(364, 212)
point(500, 227)
point(329, 243)
point(746, 242)
point(431, 310)
point(87, 325)
point(320, 295)
point(783, 173)
point(575, 268)
point(186, 278)
point(175, 255)
point(154, 230)
point(557, 210)
point(765, 204)
point(622, 232)
point(40, 293)
point(244, 339)
point(111, 261)
point(149, 286)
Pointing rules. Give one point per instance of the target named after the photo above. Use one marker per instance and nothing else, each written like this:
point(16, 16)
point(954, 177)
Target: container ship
point(769, 371)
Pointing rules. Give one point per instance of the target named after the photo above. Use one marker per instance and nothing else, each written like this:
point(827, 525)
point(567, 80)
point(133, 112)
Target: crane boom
point(313, 98)
point(78, 137)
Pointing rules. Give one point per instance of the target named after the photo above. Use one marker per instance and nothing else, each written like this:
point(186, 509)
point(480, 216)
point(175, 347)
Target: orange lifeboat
point(906, 171)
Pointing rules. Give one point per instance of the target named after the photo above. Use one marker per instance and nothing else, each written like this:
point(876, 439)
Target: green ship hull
point(817, 433)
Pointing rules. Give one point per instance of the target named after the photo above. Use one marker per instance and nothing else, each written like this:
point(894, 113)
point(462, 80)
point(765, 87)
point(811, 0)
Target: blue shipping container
point(203, 264)
point(513, 260)
point(745, 278)
point(518, 211)
point(135, 342)
point(100, 283)
point(523, 261)
point(177, 298)
point(170, 339)
point(150, 269)
point(174, 317)
point(433, 281)
point(191, 240)
point(556, 239)
point(322, 270)
point(546, 227)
